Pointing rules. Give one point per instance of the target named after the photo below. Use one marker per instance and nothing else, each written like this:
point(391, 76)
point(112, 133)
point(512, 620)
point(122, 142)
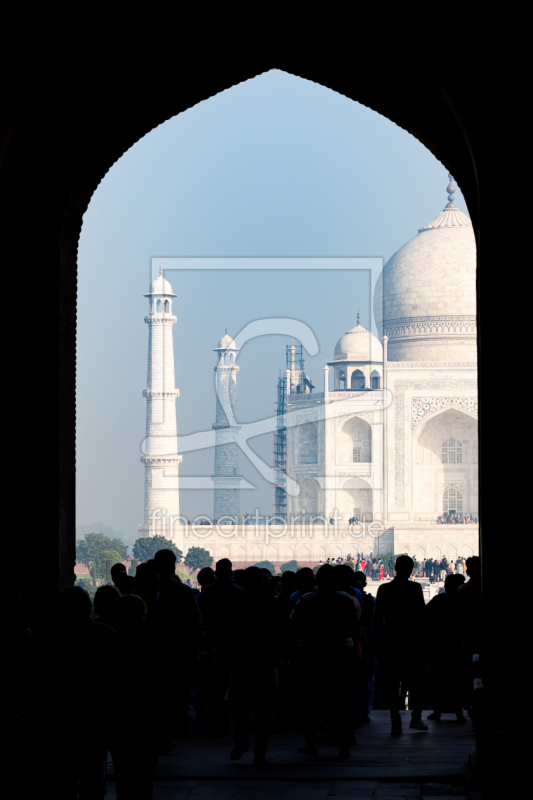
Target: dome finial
point(358, 317)
point(160, 269)
point(226, 328)
point(451, 191)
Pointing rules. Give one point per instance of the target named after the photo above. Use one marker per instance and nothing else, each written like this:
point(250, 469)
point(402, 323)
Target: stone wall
point(248, 544)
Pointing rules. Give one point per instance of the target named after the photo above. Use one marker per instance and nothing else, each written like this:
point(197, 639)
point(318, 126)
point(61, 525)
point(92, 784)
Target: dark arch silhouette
point(51, 163)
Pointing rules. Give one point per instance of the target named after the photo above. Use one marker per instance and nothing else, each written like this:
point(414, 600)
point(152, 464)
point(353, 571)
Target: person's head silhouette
point(165, 561)
point(342, 578)
point(288, 582)
point(473, 567)
point(119, 576)
point(305, 580)
point(116, 571)
point(359, 580)
point(206, 576)
point(224, 568)
point(452, 583)
point(105, 600)
point(324, 578)
point(404, 566)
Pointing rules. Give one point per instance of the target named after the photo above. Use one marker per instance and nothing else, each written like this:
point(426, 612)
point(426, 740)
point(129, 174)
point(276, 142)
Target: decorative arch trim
point(424, 407)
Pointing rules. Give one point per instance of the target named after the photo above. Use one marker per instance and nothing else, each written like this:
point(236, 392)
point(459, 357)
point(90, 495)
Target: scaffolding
point(294, 358)
point(294, 362)
point(280, 451)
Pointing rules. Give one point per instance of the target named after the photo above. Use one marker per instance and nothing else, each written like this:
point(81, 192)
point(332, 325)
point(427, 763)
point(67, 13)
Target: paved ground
point(417, 764)
point(303, 790)
point(430, 589)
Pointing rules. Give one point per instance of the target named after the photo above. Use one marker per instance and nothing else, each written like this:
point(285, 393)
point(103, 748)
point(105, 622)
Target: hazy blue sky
point(276, 166)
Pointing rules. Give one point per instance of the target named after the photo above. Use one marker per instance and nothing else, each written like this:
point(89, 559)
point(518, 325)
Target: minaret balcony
point(154, 394)
point(160, 319)
point(164, 461)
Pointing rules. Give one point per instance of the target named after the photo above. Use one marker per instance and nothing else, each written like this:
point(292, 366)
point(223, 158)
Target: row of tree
point(99, 552)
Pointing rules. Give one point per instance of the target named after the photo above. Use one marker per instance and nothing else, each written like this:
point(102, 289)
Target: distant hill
point(99, 527)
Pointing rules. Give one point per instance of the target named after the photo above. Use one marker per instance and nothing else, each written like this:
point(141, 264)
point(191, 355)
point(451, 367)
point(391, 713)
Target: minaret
point(160, 459)
point(226, 477)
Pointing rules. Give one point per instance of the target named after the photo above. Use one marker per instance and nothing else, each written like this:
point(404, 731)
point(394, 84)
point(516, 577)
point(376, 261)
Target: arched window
point(452, 451)
point(307, 444)
point(358, 380)
point(309, 496)
point(375, 380)
point(166, 306)
point(342, 380)
point(158, 307)
point(355, 442)
point(452, 500)
point(226, 358)
point(231, 358)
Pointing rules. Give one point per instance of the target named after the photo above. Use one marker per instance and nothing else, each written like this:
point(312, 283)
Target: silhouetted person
point(206, 577)
point(289, 585)
point(104, 602)
point(305, 582)
point(206, 666)
point(326, 627)
point(400, 610)
point(166, 628)
point(125, 583)
point(135, 722)
point(72, 650)
point(216, 603)
point(118, 574)
point(254, 642)
point(469, 602)
point(170, 585)
point(365, 693)
point(343, 582)
point(216, 600)
point(444, 648)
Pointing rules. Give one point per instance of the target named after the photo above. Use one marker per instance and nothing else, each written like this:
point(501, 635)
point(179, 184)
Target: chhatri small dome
point(226, 343)
point(358, 345)
point(425, 297)
point(161, 285)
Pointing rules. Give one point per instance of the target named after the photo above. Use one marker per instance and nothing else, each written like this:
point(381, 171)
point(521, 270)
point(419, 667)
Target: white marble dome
point(358, 345)
point(161, 286)
point(425, 298)
point(226, 342)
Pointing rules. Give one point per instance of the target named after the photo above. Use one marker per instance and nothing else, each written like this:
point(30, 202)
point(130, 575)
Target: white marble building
point(415, 456)
point(393, 440)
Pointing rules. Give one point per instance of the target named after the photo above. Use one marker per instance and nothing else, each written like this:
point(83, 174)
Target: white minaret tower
point(160, 459)
point(226, 478)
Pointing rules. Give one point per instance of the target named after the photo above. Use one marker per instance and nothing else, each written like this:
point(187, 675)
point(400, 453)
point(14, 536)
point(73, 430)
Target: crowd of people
point(375, 569)
point(454, 518)
point(315, 652)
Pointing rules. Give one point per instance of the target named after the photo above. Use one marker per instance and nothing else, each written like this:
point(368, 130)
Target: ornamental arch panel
point(355, 442)
point(307, 443)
